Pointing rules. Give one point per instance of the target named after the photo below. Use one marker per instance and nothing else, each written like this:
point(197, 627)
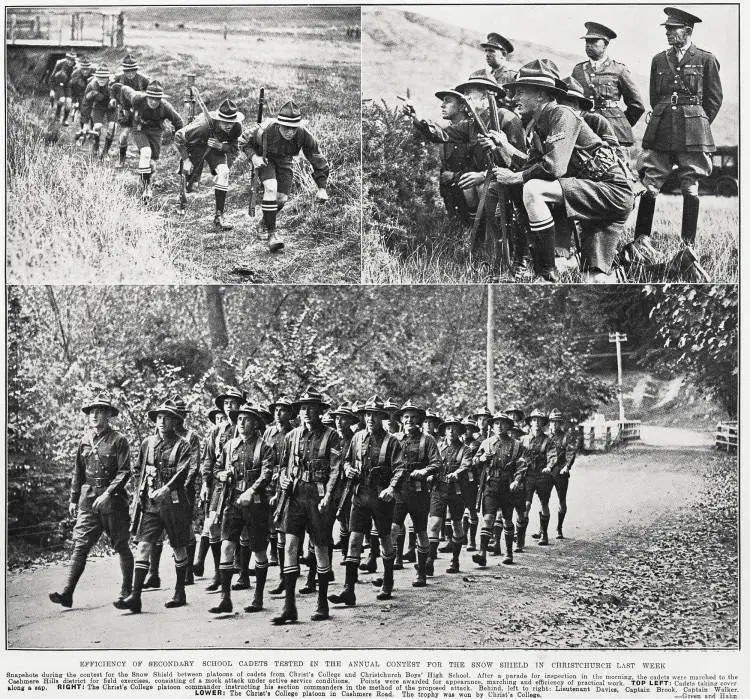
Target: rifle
point(189, 103)
point(222, 501)
point(183, 188)
point(348, 492)
point(253, 174)
point(209, 121)
point(140, 496)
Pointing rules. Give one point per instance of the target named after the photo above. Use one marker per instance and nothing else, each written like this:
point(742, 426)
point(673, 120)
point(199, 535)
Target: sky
point(640, 35)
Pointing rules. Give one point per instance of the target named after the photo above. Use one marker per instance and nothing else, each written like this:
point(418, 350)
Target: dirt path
point(623, 491)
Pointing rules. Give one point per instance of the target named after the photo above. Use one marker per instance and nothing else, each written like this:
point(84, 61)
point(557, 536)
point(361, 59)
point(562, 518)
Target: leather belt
point(682, 99)
point(605, 104)
point(100, 482)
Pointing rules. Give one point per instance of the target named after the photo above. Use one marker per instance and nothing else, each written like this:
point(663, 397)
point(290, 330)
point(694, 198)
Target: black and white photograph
point(179, 144)
point(550, 143)
point(444, 467)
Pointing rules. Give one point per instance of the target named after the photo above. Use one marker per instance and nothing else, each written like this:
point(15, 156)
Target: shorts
point(63, 92)
point(610, 199)
point(125, 118)
point(91, 525)
point(414, 503)
point(149, 139)
point(302, 514)
point(443, 500)
point(280, 169)
point(254, 517)
point(174, 518)
point(541, 485)
point(102, 115)
point(368, 507)
point(212, 158)
point(504, 502)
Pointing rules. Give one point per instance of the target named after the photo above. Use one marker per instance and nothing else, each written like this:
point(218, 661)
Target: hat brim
point(219, 400)
point(504, 418)
point(86, 409)
point(375, 411)
point(481, 85)
point(272, 407)
point(584, 102)
point(152, 414)
point(296, 125)
point(442, 94)
point(238, 118)
point(402, 411)
point(455, 423)
point(597, 36)
point(559, 89)
point(234, 414)
point(536, 417)
point(321, 404)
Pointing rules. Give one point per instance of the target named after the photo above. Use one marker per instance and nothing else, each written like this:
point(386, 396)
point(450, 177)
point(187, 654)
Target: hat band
point(537, 79)
point(292, 121)
point(154, 93)
point(227, 115)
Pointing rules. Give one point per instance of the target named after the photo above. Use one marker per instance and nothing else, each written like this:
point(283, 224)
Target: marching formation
point(265, 480)
point(541, 165)
point(99, 103)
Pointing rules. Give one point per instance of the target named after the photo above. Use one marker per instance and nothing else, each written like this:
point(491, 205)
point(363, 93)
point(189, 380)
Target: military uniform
point(102, 465)
point(565, 449)
point(130, 77)
point(501, 488)
point(686, 96)
point(100, 101)
point(606, 84)
point(470, 520)
point(79, 81)
point(60, 88)
point(539, 456)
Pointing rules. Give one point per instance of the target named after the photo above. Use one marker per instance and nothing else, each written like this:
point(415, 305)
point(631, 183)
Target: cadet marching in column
point(284, 472)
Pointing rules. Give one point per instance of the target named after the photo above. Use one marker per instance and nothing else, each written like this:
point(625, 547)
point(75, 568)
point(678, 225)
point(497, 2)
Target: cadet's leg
point(383, 517)
point(144, 164)
point(291, 573)
point(226, 569)
point(153, 581)
point(537, 196)
point(371, 565)
point(456, 507)
point(359, 522)
point(108, 138)
point(507, 510)
point(268, 205)
point(561, 488)
point(68, 105)
point(497, 533)
point(522, 519)
point(97, 134)
point(279, 589)
point(243, 581)
point(257, 518)
point(323, 561)
point(544, 491)
point(418, 511)
point(86, 533)
point(489, 510)
point(117, 526)
point(261, 573)
point(180, 556)
point(221, 186)
point(142, 555)
point(123, 145)
point(215, 543)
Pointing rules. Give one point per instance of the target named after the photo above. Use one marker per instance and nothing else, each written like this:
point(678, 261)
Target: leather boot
point(398, 563)
point(225, 605)
point(220, 223)
point(387, 590)
point(497, 549)
point(448, 548)
point(311, 575)
point(279, 589)
point(421, 580)
point(243, 582)
point(371, 564)
point(508, 560)
point(521, 531)
point(344, 548)
point(347, 596)
point(77, 564)
point(289, 612)
point(203, 547)
point(430, 564)
point(645, 219)
point(273, 556)
point(275, 242)
point(133, 600)
point(261, 574)
point(321, 611)
point(189, 578)
point(126, 568)
point(411, 553)
point(472, 536)
point(453, 567)
point(216, 582)
point(544, 523)
point(465, 528)
point(560, 520)
point(481, 558)
point(690, 210)
point(178, 598)
point(153, 581)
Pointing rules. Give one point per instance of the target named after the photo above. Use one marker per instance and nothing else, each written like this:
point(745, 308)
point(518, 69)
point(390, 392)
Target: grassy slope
point(321, 73)
point(394, 45)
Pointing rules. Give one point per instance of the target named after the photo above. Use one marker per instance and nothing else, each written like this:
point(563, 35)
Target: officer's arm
point(653, 81)
point(564, 128)
point(122, 449)
point(712, 92)
point(79, 475)
point(316, 158)
point(632, 97)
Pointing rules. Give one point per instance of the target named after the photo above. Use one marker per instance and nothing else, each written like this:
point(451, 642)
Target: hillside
point(407, 50)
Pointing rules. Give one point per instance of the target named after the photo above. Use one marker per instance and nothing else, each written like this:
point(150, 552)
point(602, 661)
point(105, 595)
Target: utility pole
point(490, 368)
point(618, 339)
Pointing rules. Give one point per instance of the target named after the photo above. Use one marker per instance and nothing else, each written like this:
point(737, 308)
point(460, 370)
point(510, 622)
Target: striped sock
point(268, 207)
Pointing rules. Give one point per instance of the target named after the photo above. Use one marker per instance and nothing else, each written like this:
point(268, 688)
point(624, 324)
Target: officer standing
point(606, 82)
point(685, 93)
point(98, 499)
point(565, 446)
point(165, 463)
point(496, 51)
point(540, 457)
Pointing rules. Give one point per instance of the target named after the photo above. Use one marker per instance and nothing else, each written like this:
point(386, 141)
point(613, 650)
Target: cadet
point(460, 153)
point(271, 146)
point(605, 82)
point(133, 79)
point(501, 485)
point(228, 402)
point(345, 420)
point(79, 79)
point(100, 99)
point(470, 518)
point(421, 459)
point(483, 419)
point(165, 463)
point(59, 82)
point(447, 492)
point(374, 472)
point(565, 447)
point(212, 141)
point(150, 111)
point(496, 51)
point(569, 165)
point(245, 469)
point(686, 96)
point(391, 424)
point(539, 455)
point(98, 499)
point(309, 471)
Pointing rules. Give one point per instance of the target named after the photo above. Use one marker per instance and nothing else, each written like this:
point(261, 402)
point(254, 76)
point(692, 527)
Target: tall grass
point(72, 221)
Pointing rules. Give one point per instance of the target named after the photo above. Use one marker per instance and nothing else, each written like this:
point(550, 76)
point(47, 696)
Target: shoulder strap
point(384, 449)
point(150, 450)
point(324, 443)
point(256, 453)
point(173, 454)
point(422, 447)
